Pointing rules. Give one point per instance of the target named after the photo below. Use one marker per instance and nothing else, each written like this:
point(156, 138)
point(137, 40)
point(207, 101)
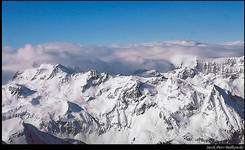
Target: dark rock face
point(16, 75)
point(35, 136)
point(20, 90)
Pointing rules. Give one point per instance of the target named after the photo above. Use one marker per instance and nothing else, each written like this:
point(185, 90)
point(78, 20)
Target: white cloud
point(113, 58)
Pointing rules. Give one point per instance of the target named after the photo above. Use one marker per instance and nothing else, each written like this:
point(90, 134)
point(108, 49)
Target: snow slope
point(198, 103)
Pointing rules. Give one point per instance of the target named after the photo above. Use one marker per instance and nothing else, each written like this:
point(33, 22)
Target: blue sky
point(120, 22)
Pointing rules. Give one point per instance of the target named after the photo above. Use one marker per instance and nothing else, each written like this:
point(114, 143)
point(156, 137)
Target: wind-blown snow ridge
point(198, 103)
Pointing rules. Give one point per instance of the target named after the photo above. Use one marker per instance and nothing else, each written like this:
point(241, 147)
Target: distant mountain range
point(200, 101)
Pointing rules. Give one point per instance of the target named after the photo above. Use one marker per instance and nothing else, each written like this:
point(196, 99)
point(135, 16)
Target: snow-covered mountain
point(201, 101)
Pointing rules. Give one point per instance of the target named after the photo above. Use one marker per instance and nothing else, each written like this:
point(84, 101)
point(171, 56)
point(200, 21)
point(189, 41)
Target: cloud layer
point(124, 59)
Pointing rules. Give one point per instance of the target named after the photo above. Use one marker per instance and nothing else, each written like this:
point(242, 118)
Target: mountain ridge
point(187, 105)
